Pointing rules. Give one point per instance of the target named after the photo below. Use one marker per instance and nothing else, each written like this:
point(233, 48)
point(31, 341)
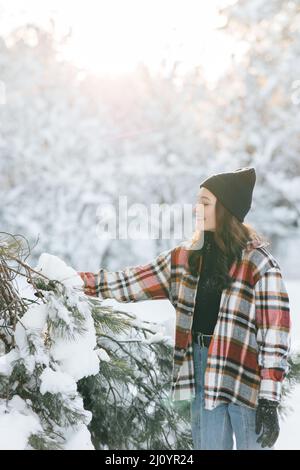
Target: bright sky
point(112, 36)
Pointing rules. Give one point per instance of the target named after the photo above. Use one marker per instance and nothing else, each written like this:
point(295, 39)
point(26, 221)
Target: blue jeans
point(214, 429)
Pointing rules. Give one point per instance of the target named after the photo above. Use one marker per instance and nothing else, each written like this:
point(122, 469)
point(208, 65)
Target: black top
point(207, 302)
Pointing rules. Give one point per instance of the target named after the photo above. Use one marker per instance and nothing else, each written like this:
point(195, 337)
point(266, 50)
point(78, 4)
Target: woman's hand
point(267, 420)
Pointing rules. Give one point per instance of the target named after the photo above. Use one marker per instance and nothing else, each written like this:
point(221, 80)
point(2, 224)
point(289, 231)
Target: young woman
point(232, 337)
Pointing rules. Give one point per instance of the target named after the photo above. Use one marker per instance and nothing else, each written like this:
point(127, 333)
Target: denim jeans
point(214, 429)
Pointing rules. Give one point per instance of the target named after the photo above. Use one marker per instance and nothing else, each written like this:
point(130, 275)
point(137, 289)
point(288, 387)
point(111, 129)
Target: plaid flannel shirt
point(248, 354)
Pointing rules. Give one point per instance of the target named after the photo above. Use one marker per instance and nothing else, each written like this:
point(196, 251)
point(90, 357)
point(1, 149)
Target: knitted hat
point(233, 189)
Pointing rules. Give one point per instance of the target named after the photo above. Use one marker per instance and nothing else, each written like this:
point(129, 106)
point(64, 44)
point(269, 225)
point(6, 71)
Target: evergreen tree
point(129, 397)
point(51, 386)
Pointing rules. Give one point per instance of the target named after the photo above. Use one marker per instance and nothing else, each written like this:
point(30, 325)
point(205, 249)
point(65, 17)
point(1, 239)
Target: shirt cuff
point(270, 389)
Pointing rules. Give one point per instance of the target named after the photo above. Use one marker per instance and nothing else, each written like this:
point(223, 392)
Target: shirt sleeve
point(273, 324)
point(134, 283)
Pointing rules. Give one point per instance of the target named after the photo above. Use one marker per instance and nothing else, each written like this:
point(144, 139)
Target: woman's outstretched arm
point(133, 283)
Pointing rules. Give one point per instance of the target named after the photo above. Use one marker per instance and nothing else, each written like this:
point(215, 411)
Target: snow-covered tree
point(76, 374)
point(49, 346)
point(80, 140)
point(257, 108)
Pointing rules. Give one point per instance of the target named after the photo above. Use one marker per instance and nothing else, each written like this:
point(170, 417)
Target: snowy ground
point(161, 311)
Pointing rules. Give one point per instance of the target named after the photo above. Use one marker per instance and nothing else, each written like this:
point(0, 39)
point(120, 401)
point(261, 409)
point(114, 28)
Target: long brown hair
point(231, 237)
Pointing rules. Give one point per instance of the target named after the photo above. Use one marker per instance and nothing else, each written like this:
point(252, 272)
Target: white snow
point(35, 317)
point(32, 324)
point(56, 269)
point(17, 423)
point(57, 382)
point(32, 321)
point(6, 362)
point(156, 338)
point(102, 354)
point(75, 358)
point(78, 439)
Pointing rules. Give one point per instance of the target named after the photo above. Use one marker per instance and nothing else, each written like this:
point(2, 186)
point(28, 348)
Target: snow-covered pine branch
point(77, 374)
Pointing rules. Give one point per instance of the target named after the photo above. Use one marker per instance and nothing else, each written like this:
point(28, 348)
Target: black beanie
point(233, 189)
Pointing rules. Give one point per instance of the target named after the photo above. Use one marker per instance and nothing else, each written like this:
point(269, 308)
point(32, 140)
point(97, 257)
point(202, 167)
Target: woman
point(232, 336)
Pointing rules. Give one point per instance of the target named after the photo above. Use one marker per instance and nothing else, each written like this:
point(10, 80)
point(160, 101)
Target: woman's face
point(206, 210)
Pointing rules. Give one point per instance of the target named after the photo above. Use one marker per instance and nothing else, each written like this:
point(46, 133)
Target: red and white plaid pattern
point(247, 356)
